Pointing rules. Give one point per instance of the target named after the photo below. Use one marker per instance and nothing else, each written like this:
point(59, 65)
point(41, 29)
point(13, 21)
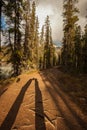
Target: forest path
point(37, 102)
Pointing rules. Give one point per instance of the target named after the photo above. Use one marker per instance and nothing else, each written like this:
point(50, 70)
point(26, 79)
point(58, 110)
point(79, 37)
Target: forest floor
point(45, 100)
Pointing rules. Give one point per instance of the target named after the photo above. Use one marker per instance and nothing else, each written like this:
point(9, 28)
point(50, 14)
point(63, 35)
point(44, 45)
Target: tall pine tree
point(70, 19)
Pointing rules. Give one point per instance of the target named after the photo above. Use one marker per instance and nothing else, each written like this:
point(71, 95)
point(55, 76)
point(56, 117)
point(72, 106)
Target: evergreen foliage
point(46, 45)
point(74, 50)
point(26, 47)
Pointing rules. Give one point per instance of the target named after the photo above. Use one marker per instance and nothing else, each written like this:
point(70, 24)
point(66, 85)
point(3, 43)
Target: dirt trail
point(36, 102)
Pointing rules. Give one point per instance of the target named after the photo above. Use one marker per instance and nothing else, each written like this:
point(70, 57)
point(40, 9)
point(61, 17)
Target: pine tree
point(70, 19)
point(47, 43)
point(13, 12)
point(32, 30)
point(36, 43)
point(78, 48)
point(16, 57)
point(47, 50)
point(85, 51)
point(52, 50)
point(26, 16)
point(41, 48)
point(42, 35)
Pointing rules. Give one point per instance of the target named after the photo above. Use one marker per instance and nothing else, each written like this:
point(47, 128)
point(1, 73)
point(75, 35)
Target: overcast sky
point(54, 9)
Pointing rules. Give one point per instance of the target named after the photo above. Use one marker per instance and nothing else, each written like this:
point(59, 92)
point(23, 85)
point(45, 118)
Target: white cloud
point(42, 13)
point(54, 8)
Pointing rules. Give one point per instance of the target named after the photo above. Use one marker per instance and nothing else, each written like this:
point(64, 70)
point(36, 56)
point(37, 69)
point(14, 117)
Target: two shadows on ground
point(39, 112)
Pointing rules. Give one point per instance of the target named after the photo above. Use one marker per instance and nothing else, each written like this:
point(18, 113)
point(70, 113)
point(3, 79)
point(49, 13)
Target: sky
point(54, 8)
point(3, 23)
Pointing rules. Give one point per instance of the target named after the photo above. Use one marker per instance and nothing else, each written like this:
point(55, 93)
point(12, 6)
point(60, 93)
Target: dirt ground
point(43, 100)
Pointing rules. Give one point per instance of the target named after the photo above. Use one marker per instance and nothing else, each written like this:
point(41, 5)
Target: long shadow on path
point(11, 116)
point(39, 112)
point(59, 91)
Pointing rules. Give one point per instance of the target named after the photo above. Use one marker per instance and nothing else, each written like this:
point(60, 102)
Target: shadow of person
point(39, 112)
point(11, 116)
